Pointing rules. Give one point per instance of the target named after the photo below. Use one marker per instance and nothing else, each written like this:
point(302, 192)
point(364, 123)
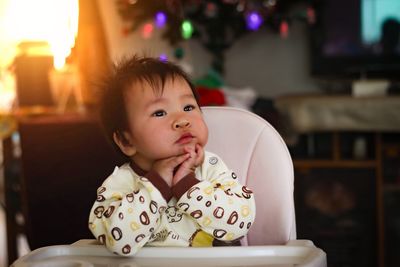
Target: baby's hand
point(166, 167)
point(189, 165)
point(200, 155)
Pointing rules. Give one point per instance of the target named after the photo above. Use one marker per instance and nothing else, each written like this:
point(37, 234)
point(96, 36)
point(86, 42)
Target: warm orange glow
point(55, 22)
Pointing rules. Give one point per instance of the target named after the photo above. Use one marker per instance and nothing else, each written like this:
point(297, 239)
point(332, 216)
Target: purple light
point(163, 57)
point(161, 19)
point(254, 21)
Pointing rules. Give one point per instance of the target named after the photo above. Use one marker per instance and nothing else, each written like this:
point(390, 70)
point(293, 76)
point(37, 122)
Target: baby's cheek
point(203, 135)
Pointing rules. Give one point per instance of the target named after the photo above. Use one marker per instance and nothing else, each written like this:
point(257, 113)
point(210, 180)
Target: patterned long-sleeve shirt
point(134, 208)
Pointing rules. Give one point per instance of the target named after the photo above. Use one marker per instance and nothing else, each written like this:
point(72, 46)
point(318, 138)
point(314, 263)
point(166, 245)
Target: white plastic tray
point(87, 255)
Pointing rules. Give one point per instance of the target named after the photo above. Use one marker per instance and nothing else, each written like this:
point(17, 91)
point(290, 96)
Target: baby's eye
point(189, 108)
point(159, 113)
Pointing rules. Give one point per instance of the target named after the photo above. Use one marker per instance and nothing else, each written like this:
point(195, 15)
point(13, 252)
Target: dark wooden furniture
point(64, 158)
point(341, 180)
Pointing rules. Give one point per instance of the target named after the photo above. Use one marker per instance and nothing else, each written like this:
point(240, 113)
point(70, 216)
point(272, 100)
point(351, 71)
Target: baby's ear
point(123, 141)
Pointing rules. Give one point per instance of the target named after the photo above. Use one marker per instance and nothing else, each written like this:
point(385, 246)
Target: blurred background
point(324, 73)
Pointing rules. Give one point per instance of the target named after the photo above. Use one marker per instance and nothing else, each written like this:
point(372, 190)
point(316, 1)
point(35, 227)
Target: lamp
point(43, 32)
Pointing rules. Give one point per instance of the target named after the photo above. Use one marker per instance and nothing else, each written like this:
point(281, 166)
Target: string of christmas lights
point(217, 24)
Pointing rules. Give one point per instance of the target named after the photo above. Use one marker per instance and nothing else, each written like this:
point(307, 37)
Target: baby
point(171, 192)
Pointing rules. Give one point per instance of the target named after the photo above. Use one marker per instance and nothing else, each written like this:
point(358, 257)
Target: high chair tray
point(96, 256)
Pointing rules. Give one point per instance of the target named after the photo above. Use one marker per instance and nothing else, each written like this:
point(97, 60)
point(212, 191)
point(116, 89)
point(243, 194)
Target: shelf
point(310, 163)
point(391, 145)
point(391, 187)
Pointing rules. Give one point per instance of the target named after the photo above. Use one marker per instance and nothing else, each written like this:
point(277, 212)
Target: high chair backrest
point(251, 147)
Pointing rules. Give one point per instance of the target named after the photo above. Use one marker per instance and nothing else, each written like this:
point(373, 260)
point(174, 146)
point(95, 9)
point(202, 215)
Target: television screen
point(356, 38)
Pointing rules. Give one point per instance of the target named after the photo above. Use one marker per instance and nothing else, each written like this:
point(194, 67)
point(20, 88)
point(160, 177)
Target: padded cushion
point(252, 148)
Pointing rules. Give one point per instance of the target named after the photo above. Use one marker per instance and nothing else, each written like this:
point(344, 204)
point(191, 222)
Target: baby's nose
point(181, 124)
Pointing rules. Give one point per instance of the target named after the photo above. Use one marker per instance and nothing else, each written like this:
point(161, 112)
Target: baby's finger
point(189, 148)
point(199, 155)
point(186, 167)
point(198, 148)
point(180, 159)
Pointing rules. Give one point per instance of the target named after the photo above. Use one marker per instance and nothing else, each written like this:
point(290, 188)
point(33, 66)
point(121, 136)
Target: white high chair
point(256, 152)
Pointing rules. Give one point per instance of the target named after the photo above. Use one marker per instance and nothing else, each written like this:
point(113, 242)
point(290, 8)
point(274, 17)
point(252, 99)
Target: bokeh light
point(163, 57)
point(187, 29)
point(160, 19)
point(254, 21)
point(147, 30)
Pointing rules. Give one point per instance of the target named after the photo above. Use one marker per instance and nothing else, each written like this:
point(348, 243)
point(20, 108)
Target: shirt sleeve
point(222, 206)
point(126, 212)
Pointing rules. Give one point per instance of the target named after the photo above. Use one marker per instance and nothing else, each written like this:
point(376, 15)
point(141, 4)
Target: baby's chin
point(176, 151)
point(170, 154)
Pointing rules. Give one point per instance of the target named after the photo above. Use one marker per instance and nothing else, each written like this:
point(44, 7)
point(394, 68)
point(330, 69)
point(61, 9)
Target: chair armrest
point(300, 242)
point(315, 259)
point(85, 242)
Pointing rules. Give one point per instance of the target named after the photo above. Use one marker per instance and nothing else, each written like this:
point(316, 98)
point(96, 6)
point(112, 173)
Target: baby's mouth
point(185, 139)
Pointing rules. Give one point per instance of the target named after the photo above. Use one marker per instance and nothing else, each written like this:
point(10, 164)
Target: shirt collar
point(137, 169)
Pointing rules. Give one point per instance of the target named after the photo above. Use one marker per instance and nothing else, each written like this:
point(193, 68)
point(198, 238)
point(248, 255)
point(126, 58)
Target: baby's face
point(162, 125)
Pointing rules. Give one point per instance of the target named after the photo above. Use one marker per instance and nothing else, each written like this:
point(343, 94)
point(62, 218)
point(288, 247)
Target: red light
point(284, 29)
point(147, 30)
